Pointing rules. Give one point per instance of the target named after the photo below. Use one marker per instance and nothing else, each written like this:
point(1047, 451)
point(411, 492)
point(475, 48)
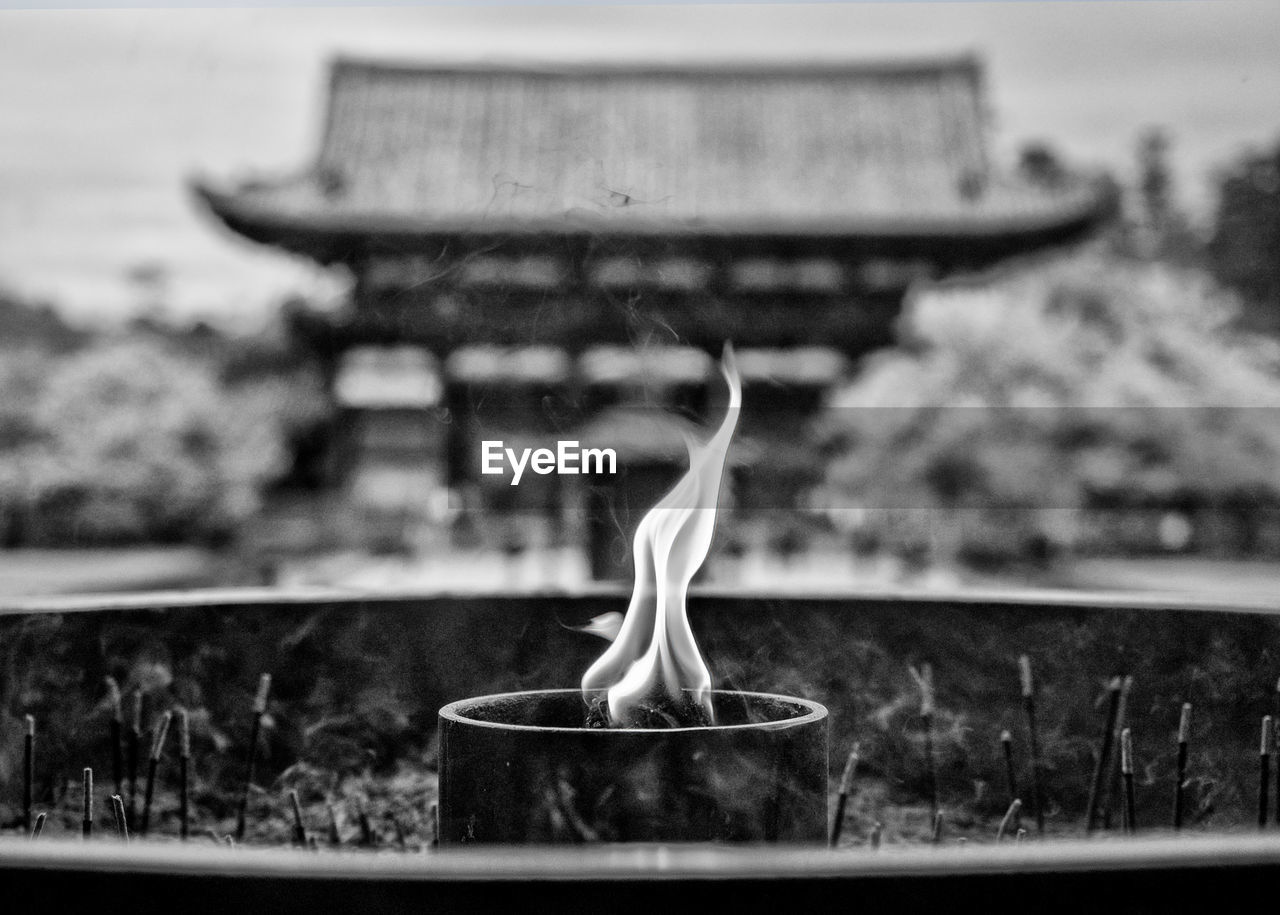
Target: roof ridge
point(414, 149)
point(959, 61)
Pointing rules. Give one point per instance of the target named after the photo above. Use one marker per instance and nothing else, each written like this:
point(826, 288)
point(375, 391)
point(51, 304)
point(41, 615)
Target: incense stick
point(1010, 773)
point(28, 771)
point(117, 734)
point(86, 825)
point(1126, 773)
point(122, 828)
point(1184, 736)
point(924, 680)
point(259, 709)
point(1014, 807)
point(1264, 767)
point(842, 798)
point(1029, 705)
point(567, 796)
point(367, 837)
point(1101, 768)
point(557, 823)
point(134, 745)
point(335, 837)
point(299, 827)
point(153, 765)
point(184, 774)
point(1112, 784)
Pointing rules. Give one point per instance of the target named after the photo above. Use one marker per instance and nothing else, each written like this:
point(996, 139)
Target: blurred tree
point(125, 442)
point(34, 325)
point(1244, 252)
point(21, 377)
point(284, 362)
point(33, 333)
point(1089, 381)
point(1156, 226)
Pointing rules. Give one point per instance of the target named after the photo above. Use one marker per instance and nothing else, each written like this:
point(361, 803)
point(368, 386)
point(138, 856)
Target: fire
point(654, 671)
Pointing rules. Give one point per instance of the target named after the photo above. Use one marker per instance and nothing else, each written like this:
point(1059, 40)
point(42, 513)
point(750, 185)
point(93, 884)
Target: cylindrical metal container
point(522, 768)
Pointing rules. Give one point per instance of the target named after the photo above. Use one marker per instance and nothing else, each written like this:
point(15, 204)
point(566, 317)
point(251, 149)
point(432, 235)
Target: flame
point(606, 625)
point(654, 660)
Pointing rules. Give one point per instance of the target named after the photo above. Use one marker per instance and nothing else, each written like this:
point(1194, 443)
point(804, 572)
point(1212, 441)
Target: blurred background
point(1004, 280)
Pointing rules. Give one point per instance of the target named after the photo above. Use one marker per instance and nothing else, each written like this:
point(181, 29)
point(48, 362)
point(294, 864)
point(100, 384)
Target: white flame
point(654, 653)
point(606, 625)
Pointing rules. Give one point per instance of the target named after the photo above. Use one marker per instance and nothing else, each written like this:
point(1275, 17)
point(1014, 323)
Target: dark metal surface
point(1183, 875)
point(1044, 601)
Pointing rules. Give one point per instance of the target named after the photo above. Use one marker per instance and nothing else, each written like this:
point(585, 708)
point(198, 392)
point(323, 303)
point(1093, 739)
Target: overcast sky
point(104, 113)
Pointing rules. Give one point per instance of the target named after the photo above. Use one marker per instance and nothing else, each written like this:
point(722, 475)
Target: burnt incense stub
point(661, 711)
point(524, 768)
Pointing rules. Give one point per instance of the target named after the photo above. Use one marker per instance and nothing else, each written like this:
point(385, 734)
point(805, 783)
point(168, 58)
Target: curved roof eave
point(323, 235)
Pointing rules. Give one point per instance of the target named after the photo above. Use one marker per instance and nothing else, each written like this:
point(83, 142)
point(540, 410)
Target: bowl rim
point(813, 713)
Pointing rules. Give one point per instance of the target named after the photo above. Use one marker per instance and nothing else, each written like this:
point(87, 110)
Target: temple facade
point(552, 252)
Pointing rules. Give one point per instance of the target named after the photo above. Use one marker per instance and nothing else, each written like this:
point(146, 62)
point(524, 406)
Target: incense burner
point(523, 768)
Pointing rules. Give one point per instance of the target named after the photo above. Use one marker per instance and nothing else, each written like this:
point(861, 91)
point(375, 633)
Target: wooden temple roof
point(857, 149)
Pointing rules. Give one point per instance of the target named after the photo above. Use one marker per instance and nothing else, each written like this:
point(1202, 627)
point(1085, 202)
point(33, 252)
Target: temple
point(544, 252)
